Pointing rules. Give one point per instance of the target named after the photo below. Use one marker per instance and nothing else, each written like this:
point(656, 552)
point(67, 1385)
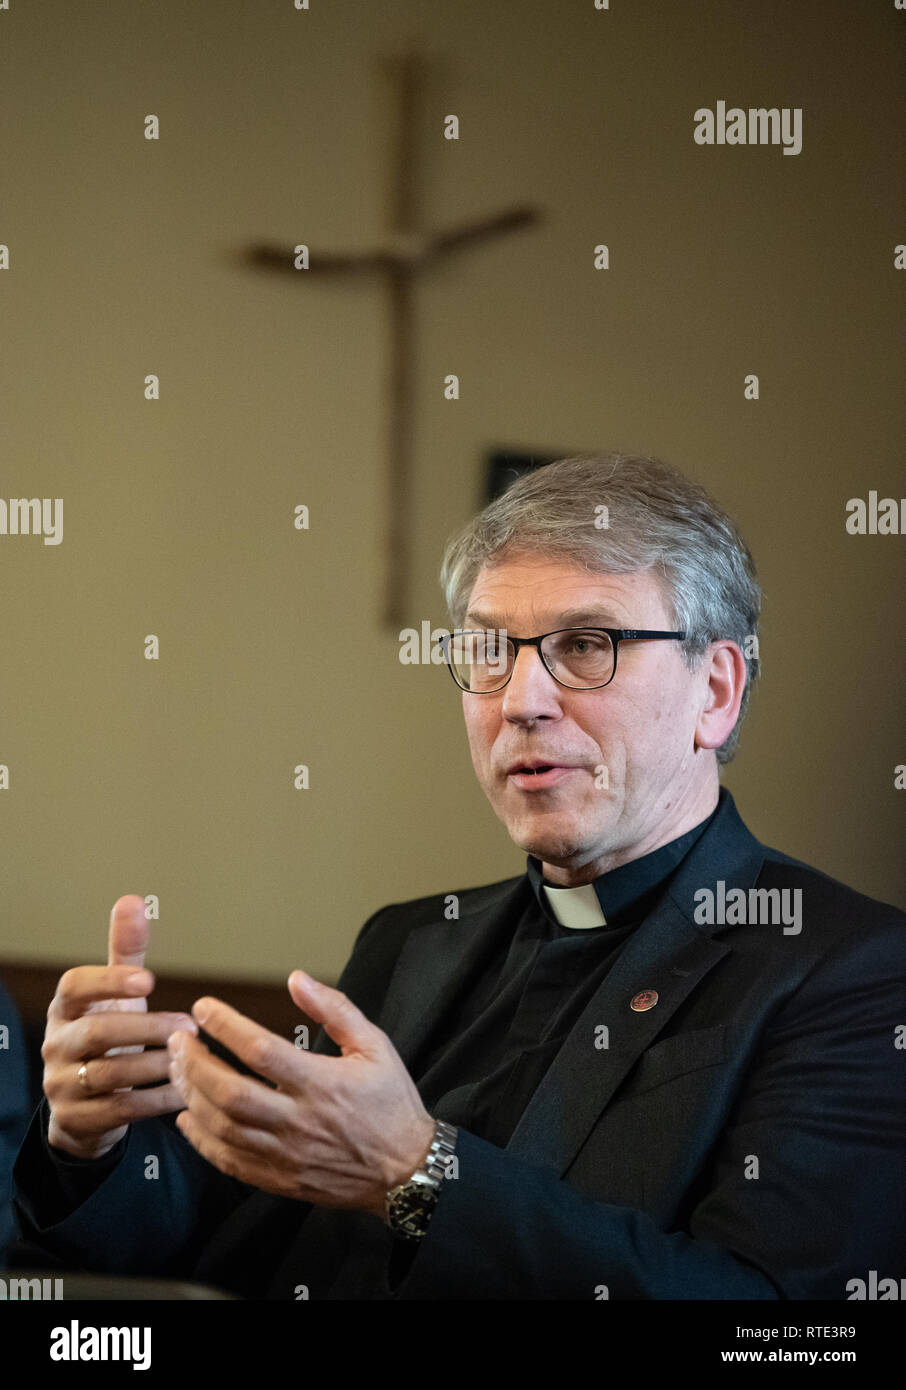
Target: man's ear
point(726, 676)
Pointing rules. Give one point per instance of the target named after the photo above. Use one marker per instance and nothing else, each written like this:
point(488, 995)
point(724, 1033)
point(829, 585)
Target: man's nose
point(531, 692)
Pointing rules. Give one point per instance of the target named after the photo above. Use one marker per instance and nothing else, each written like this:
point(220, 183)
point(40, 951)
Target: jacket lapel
point(665, 954)
point(439, 960)
point(669, 953)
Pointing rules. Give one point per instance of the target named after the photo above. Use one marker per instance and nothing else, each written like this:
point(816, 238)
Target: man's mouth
point(535, 776)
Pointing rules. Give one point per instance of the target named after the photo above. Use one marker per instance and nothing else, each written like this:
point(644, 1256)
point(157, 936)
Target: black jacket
point(745, 1137)
point(15, 1108)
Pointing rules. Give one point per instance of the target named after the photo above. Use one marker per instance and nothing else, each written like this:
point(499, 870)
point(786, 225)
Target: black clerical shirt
point(485, 1058)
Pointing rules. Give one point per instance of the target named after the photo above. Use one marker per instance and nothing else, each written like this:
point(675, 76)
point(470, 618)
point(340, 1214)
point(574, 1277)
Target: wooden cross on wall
point(406, 252)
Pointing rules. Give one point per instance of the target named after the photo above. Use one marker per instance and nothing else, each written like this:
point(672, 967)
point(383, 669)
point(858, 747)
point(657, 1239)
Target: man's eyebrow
point(572, 617)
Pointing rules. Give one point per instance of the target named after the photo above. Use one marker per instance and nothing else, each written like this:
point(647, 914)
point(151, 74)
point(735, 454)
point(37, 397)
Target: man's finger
point(85, 985)
point(343, 1021)
point(260, 1049)
point(238, 1131)
point(127, 939)
point(93, 1035)
point(241, 1164)
point(244, 1099)
point(105, 1074)
point(85, 1119)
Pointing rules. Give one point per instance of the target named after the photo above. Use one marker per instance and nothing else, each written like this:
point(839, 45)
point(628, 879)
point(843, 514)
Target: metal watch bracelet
point(425, 1182)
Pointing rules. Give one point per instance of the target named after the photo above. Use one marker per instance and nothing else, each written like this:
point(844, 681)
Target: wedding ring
point(82, 1074)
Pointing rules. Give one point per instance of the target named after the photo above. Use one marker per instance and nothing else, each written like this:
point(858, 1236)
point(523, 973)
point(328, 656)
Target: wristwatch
point(410, 1206)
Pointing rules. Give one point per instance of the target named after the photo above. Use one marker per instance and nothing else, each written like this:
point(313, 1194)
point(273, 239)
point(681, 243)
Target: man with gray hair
point(662, 1063)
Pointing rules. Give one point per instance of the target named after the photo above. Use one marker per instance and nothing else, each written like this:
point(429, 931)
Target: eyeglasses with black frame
point(579, 658)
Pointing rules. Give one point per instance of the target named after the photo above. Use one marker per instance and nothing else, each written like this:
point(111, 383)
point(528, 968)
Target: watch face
point(411, 1208)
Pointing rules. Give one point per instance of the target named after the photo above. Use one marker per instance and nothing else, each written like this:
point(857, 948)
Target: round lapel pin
point(643, 1001)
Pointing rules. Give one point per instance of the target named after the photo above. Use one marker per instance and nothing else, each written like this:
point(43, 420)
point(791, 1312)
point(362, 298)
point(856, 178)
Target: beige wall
point(174, 777)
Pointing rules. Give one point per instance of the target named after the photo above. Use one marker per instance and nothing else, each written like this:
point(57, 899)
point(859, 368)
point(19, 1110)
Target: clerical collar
point(621, 895)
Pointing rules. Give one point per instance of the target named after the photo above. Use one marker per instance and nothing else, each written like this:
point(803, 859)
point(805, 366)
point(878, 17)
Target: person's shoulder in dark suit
point(14, 1108)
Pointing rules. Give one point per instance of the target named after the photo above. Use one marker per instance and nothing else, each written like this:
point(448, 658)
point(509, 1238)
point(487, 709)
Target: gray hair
point(654, 517)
